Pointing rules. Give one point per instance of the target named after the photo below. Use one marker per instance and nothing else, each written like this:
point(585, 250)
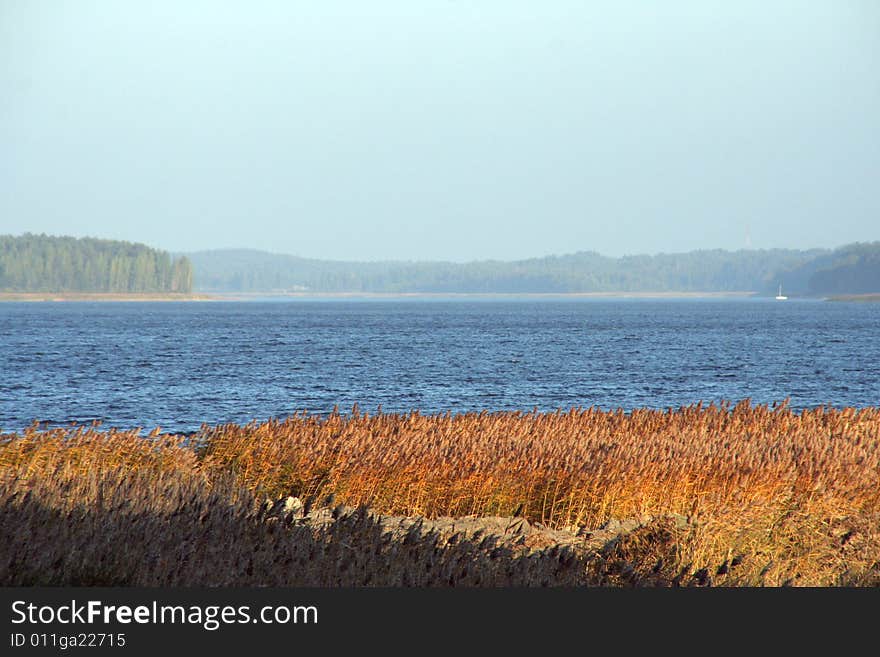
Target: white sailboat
point(779, 296)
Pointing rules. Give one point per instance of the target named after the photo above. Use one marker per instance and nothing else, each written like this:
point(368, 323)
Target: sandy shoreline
point(100, 296)
point(305, 296)
point(245, 296)
point(258, 296)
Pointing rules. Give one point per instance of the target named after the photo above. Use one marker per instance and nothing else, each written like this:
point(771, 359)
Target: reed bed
point(115, 510)
point(785, 497)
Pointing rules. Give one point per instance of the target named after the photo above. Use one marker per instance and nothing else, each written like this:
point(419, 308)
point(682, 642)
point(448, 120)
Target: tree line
point(697, 271)
point(851, 269)
point(42, 263)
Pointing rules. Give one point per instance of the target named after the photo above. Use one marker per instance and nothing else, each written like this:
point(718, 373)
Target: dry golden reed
point(770, 496)
point(116, 526)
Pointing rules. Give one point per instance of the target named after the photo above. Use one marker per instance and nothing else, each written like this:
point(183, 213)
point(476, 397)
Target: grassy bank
point(737, 495)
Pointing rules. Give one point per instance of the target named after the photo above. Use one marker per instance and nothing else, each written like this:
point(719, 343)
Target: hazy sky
point(452, 130)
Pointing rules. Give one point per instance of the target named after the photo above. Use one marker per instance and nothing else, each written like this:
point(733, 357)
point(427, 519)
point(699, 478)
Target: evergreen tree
point(42, 263)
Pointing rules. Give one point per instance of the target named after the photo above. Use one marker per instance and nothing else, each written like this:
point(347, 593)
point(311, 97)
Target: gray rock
point(681, 522)
point(612, 525)
point(292, 506)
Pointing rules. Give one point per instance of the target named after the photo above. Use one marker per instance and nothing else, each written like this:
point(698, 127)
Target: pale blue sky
point(442, 130)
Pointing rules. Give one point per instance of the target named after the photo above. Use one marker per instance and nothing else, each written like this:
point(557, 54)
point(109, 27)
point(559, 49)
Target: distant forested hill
point(697, 271)
point(41, 263)
point(851, 269)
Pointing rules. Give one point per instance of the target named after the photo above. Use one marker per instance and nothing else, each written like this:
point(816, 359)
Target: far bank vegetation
point(40, 263)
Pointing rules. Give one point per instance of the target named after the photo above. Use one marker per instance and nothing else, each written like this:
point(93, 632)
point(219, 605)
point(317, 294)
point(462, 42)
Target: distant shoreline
point(254, 296)
point(101, 296)
point(245, 296)
point(870, 298)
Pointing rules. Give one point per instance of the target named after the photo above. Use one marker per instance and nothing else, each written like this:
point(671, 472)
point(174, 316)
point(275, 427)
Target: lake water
point(178, 365)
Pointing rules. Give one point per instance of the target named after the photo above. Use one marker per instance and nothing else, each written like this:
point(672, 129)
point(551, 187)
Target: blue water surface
point(177, 365)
